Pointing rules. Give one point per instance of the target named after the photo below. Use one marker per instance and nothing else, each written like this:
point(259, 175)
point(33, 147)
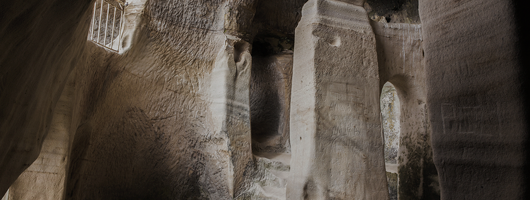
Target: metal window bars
point(107, 20)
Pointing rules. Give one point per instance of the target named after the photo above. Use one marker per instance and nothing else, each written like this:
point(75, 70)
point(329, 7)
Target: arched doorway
point(390, 119)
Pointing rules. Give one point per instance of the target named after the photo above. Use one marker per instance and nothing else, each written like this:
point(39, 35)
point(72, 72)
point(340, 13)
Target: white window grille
point(106, 25)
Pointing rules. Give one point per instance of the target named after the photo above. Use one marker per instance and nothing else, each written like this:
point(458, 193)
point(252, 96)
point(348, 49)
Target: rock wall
point(474, 98)
point(180, 113)
point(41, 44)
point(179, 79)
point(45, 178)
point(401, 62)
point(393, 11)
point(270, 97)
point(173, 110)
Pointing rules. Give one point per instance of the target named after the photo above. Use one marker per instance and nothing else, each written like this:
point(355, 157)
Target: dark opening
point(393, 11)
point(270, 92)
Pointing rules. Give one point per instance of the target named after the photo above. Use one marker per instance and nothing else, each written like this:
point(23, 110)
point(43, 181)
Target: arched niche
point(391, 127)
point(413, 175)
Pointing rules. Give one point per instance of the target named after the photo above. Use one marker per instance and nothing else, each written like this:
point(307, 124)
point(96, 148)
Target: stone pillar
point(229, 90)
point(337, 150)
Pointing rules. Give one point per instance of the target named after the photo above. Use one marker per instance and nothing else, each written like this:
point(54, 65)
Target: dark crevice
point(270, 75)
point(393, 11)
point(265, 102)
point(273, 29)
point(523, 50)
point(272, 44)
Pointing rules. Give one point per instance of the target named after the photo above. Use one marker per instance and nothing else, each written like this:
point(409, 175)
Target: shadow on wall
point(523, 50)
point(42, 41)
point(393, 11)
point(270, 92)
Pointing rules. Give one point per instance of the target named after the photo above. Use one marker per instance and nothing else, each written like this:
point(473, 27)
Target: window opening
point(390, 116)
point(106, 25)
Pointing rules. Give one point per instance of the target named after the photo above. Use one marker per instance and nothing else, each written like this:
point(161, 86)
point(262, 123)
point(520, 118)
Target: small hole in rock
point(239, 48)
point(336, 41)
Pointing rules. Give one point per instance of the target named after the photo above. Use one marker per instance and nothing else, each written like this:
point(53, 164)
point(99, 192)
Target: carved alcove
point(390, 120)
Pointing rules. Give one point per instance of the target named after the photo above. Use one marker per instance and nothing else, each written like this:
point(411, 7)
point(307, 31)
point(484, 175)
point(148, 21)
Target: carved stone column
point(337, 150)
point(229, 94)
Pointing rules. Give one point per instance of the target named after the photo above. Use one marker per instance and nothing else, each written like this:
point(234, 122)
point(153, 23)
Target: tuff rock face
point(257, 99)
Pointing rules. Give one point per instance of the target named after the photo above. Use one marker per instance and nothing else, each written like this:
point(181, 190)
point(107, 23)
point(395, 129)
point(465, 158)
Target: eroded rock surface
point(225, 99)
point(42, 42)
point(401, 62)
point(475, 101)
point(335, 124)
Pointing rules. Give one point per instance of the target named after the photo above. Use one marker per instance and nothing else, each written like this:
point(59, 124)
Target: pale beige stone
point(335, 124)
point(169, 116)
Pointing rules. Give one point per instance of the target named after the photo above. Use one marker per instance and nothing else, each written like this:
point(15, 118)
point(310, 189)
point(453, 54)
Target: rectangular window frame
point(112, 11)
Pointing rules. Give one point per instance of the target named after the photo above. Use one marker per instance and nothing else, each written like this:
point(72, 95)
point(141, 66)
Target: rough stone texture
point(337, 150)
point(169, 119)
point(169, 116)
point(35, 61)
point(132, 20)
point(278, 16)
point(238, 17)
point(270, 92)
point(270, 101)
point(45, 178)
point(401, 62)
point(393, 11)
point(390, 116)
point(271, 175)
point(475, 101)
